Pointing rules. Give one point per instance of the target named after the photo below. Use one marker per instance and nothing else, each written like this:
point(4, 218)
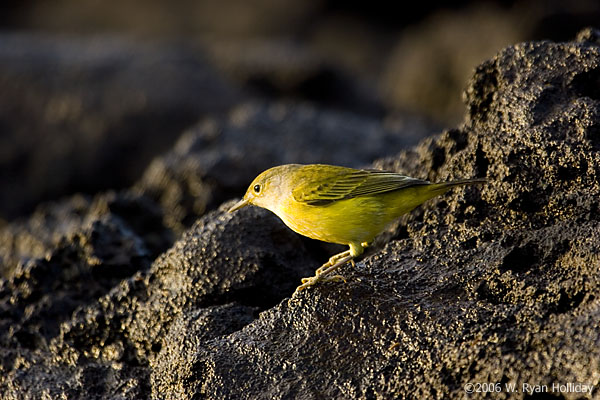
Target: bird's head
point(268, 189)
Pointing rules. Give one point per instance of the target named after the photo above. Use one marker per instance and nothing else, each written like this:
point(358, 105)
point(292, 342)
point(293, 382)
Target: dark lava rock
point(488, 284)
point(212, 162)
point(494, 283)
point(70, 254)
point(114, 338)
point(218, 158)
point(89, 114)
point(429, 65)
point(76, 271)
point(67, 256)
point(79, 220)
point(188, 335)
point(433, 58)
point(285, 68)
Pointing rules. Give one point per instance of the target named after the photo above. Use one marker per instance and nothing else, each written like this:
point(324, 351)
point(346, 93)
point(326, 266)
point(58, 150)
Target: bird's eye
point(256, 188)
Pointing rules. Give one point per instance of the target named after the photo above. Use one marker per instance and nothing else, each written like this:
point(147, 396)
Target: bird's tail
point(443, 187)
point(409, 198)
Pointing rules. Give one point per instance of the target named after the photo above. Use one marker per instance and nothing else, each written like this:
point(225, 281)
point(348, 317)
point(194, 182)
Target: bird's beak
point(240, 204)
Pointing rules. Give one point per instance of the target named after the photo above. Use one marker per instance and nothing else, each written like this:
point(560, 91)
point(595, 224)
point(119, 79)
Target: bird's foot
point(308, 282)
point(332, 261)
point(322, 274)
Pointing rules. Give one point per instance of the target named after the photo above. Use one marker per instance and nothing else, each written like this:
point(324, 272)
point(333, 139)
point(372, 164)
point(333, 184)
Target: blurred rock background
point(126, 127)
point(91, 92)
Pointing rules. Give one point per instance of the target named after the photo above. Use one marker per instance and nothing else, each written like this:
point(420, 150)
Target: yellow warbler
point(339, 205)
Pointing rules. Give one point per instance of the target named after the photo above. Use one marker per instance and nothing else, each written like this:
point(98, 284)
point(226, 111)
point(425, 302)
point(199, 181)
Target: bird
point(340, 205)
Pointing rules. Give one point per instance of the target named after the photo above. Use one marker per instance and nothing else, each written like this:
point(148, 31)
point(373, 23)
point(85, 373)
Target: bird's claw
point(322, 274)
point(308, 282)
point(311, 281)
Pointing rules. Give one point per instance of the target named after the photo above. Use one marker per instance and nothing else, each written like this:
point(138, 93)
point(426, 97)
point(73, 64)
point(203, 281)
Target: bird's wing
point(346, 183)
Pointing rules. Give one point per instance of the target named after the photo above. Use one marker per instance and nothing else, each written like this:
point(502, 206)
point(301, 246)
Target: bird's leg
point(332, 261)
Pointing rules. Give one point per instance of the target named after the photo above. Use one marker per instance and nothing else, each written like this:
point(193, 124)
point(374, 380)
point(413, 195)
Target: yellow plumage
point(338, 204)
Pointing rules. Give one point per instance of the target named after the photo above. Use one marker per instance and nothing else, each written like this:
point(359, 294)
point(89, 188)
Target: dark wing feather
point(328, 185)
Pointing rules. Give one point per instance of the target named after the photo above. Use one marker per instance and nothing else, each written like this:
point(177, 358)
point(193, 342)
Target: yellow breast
point(356, 220)
point(346, 221)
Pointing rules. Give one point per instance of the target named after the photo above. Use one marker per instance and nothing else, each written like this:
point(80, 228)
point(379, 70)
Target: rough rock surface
point(489, 284)
point(62, 266)
point(81, 221)
point(494, 283)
